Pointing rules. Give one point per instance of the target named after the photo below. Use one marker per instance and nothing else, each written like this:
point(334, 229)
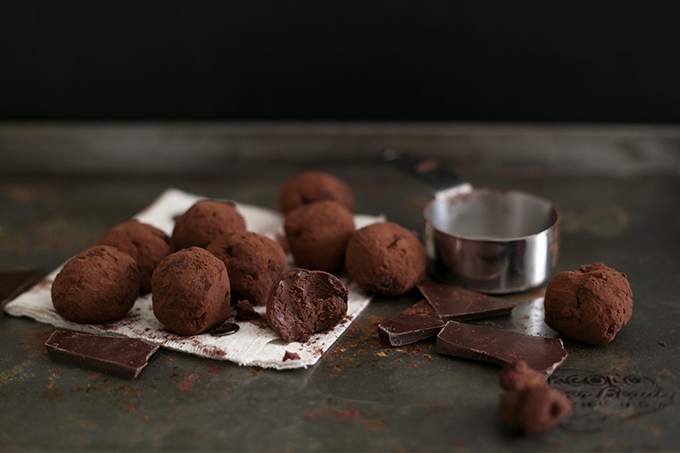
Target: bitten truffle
point(590, 304)
point(318, 233)
point(385, 258)
point(99, 284)
point(529, 404)
point(204, 222)
point(254, 262)
point(314, 186)
point(304, 302)
point(191, 291)
point(145, 243)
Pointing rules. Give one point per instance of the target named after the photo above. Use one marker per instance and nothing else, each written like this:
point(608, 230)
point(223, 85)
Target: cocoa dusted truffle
point(318, 233)
point(529, 404)
point(190, 291)
point(314, 186)
point(99, 284)
point(205, 221)
point(385, 258)
point(254, 262)
point(304, 302)
point(590, 304)
point(145, 243)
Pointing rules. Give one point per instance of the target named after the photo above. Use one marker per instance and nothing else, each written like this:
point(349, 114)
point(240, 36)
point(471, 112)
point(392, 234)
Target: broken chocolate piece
point(458, 304)
point(416, 323)
point(498, 346)
point(119, 356)
point(290, 356)
point(304, 302)
point(13, 283)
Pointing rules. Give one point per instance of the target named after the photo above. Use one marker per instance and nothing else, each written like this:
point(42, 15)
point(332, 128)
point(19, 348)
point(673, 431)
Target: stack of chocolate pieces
point(442, 313)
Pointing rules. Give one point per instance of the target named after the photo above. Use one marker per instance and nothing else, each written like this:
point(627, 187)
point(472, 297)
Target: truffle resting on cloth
point(304, 302)
point(145, 243)
point(254, 262)
point(99, 284)
point(190, 291)
point(312, 186)
point(317, 234)
point(385, 258)
point(205, 221)
point(590, 304)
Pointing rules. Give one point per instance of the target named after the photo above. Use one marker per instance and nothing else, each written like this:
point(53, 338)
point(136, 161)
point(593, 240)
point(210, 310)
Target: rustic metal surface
point(363, 395)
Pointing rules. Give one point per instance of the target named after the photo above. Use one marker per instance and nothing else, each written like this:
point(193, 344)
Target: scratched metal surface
point(363, 395)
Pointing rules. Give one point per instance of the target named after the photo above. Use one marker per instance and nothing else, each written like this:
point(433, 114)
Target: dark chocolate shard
point(416, 323)
point(119, 356)
point(501, 347)
point(13, 283)
point(458, 304)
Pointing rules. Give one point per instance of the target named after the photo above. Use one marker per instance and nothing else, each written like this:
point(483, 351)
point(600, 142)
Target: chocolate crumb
point(291, 356)
point(245, 311)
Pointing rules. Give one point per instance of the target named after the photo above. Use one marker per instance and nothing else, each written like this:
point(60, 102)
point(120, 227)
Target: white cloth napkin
point(254, 344)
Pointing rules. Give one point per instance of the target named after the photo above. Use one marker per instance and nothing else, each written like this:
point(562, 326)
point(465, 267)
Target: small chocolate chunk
point(457, 304)
point(119, 356)
point(13, 283)
point(498, 346)
point(418, 322)
point(304, 302)
point(290, 356)
point(245, 311)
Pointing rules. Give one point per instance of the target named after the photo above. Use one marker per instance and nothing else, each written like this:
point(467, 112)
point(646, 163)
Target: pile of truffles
point(211, 262)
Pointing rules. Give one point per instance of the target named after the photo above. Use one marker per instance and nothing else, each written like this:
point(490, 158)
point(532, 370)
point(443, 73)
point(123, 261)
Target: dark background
point(395, 60)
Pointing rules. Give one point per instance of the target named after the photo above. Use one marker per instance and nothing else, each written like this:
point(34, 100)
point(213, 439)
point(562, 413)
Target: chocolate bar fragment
point(416, 323)
point(501, 347)
point(457, 304)
point(119, 356)
point(13, 283)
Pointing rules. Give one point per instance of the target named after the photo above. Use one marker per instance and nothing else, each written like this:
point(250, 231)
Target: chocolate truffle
point(145, 243)
point(590, 304)
point(99, 284)
point(529, 404)
point(318, 233)
point(205, 221)
point(254, 262)
point(314, 186)
point(190, 291)
point(385, 258)
point(304, 302)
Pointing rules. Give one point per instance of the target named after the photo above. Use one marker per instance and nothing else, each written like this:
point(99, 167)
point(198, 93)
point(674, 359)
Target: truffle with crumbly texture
point(191, 292)
point(385, 258)
point(204, 222)
point(145, 243)
point(590, 304)
point(529, 404)
point(99, 284)
point(314, 186)
point(254, 262)
point(318, 233)
point(304, 302)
